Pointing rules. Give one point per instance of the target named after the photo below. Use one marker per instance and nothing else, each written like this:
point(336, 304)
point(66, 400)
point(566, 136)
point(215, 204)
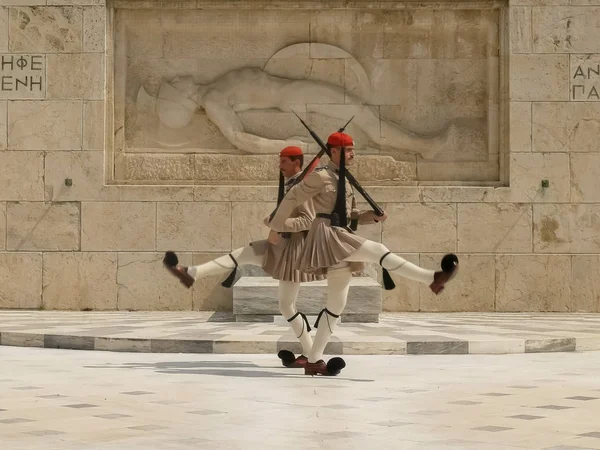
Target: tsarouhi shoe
point(449, 271)
point(333, 367)
point(288, 359)
point(171, 262)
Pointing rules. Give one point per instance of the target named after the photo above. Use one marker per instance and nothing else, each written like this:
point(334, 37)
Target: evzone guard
point(331, 248)
point(277, 255)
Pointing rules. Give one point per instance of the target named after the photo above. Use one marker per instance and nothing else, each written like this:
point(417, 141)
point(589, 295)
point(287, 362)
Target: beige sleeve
point(366, 217)
point(303, 220)
point(296, 196)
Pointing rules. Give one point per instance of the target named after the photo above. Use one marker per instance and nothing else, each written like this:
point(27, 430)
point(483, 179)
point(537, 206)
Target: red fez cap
point(291, 151)
point(340, 140)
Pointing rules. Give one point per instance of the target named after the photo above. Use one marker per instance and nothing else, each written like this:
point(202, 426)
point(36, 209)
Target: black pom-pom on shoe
point(170, 259)
point(449, 263)
point(335, 365)
point(286, 357)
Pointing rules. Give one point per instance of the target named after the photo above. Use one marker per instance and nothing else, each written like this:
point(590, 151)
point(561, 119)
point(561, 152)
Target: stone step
point(255, 299)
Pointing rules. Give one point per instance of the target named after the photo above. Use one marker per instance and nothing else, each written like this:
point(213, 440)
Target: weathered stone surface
point(123, 226)
point(420, 228)
point(20, 280)
point(2, 225)
point(259, 35)
point(235, 193)
point(566, 30)
point(585, 285)
point(583, 2)
point(44, 125)
point(93, 28)
point(494, 228)
point(147, 167)
point(45, 29)
point(520, 29)
point(384, 168)
point(566, 228)
point(444, 82)
point(357, 33)
point(76, 2)
point(584, 85)
point(22, 2)
point(386, 76)
point(247, 222)
point(538, 2)
point(230, 168)
point(22, 176)
point(3, 29)
point(406, 296)
point(155, 194)
point(3, 125)
point(441, 33)
point(75, 281)
point(208, 293)
point(473, 289)
point(84, 169)
point(585, 183)
point(520, 126)
point(93, 125)
point(193, 226)
point(42, 226)
point(566, 127)
point(75, 76)
point(527, 170)
point(145, 284)
point(533, 283)
point(456, 194)
point(462, 171)
point(539, 77)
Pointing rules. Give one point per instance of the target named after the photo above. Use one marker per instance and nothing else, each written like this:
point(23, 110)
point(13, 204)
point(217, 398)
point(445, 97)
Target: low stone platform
point(255, 299)
point(208, 332)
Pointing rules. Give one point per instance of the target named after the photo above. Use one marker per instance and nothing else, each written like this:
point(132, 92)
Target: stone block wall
point(72, 239)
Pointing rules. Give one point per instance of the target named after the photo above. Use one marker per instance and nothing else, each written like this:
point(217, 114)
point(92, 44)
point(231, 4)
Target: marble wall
point(92, 191)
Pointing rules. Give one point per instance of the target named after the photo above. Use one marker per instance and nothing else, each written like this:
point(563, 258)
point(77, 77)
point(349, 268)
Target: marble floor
point(210, 332)
point(89, 400)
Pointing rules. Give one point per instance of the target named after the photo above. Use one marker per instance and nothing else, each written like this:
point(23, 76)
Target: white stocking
point(288, 293)
point(372, 252)
point(224, 264)
point(338, 283)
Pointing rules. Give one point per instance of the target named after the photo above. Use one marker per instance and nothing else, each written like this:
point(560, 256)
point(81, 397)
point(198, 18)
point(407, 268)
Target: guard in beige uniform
point(332, 248)
point(277, 256)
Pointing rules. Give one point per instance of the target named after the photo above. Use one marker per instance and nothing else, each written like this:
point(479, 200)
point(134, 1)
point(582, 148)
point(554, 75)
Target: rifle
point(309, 167)
point(355, 184)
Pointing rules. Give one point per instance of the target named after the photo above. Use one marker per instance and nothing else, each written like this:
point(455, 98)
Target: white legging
point(288, 290)
point(372, 252)
point(338, 284)
point(288, 293)
point(224, 264)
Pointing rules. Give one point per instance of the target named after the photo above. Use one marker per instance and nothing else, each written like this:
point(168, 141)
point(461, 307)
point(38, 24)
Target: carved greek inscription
point(585, 78)
point(22, 76)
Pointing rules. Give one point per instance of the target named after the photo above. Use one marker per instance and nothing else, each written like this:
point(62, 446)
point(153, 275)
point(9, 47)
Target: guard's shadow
point(238, 369)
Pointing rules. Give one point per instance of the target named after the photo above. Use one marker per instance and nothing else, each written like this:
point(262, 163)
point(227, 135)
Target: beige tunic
point(281, 260)
point(325, 245)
